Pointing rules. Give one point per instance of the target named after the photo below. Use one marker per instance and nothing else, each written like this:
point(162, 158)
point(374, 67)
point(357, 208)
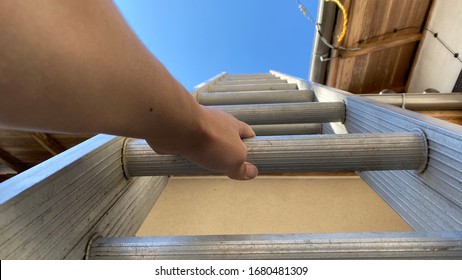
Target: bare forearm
point(76, 66)
point(95, 73)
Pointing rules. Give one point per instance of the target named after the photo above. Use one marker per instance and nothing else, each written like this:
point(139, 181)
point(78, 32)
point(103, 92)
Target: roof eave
point(326, 19)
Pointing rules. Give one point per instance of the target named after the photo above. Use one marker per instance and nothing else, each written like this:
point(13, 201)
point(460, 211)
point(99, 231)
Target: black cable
point(326, 42)
point(435, 35)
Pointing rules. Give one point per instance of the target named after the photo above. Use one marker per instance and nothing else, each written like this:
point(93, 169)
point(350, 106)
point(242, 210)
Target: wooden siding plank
point(388, 32)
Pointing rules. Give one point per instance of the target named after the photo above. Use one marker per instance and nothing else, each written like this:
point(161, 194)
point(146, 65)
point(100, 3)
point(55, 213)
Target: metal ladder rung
point(391, 245)
point(252, 82)
point(307, 153)
point(248, 76)
point(287, 129)
point(255, 97)
point(283, 113)
point(255, 87)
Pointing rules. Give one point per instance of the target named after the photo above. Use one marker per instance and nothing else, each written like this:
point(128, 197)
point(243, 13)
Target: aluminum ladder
point(89, 201)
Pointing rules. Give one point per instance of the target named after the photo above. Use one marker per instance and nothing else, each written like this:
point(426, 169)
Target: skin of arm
point(77, 67)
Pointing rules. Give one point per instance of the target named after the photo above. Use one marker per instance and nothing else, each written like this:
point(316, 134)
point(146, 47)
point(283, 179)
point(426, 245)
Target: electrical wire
point(435, 35)
point(318, 30)
point(345, 22)
point(345, 19)
point(305, 12)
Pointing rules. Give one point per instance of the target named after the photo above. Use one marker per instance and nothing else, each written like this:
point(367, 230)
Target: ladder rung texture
point(252, 82)
point(250, 87)
point(248, 76)
point(307, 153)
point(287, 129)
point(283, 113)
point(392, 245)
point(255, 97)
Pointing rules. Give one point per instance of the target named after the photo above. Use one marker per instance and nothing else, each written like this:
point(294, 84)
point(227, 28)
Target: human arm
point(77, 67)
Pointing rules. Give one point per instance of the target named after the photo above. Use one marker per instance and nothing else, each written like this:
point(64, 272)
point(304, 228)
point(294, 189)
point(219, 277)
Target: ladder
point(89, 201)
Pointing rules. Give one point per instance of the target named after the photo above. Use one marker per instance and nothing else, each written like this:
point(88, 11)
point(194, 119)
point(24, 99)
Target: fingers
point(246, 171)
point(245, 131)
point(219, 146)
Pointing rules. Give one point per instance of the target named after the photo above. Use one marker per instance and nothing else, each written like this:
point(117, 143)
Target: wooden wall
point(388, 33)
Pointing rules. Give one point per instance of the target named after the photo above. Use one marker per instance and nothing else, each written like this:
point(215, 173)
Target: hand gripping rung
point(306, 153)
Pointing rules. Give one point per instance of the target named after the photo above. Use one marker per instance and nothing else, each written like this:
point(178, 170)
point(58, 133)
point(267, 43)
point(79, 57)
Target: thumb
point(246, 171)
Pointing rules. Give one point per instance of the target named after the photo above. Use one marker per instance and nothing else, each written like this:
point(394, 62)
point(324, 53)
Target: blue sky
point(198, 39)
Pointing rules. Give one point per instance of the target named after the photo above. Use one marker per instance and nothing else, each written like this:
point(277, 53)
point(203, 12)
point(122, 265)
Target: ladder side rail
point(205, 86)
point(443, 175)
point(48, 210)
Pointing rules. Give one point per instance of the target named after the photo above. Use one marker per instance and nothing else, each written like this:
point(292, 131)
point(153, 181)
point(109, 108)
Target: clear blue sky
point(198, 39)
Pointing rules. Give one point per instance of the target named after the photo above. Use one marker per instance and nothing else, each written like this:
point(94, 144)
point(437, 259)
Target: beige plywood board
point(269, 205)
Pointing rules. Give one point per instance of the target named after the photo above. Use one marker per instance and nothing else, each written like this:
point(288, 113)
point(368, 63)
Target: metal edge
point(424, 165)
point(124, 163)
point(204, 86)
point(301, 84)
point(281, 246)
point(326, 18)
point(92, 239)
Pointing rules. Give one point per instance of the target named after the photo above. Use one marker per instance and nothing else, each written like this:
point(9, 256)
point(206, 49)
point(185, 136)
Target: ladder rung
point(290, 246)
point(287, 129)
point(280, 113)
point(248, 77)
point(255, 97)
point(252, 82)
point(272, 86)
point(307, 153)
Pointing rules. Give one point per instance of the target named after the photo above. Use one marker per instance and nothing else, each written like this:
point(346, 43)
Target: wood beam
point(11, 161)
point(453, 116)
point(48, 142)
point(382, 44)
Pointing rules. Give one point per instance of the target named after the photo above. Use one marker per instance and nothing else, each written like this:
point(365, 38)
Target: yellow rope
point(345, 19)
